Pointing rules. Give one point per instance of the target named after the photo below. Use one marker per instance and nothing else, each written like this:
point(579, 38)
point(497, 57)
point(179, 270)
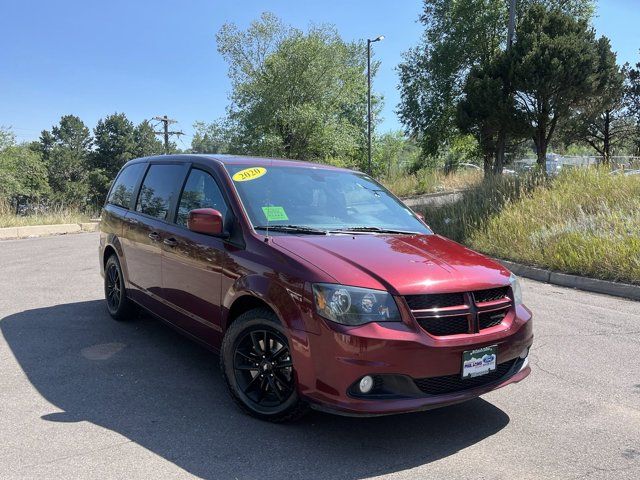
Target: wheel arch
point(257, 291)
point(108, 251)
point(245, 303)
point(112, 246)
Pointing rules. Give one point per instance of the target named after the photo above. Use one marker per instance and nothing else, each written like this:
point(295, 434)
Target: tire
point(261, 381)
point(119, 306)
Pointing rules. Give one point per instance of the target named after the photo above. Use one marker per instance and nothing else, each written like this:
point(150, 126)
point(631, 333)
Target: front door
point(192, 262)
point(145, 230)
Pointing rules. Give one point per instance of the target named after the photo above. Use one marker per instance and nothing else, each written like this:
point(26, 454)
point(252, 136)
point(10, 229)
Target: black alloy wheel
point(263, 368)
point(113, 288)
point(118, 305)
point(258, 369)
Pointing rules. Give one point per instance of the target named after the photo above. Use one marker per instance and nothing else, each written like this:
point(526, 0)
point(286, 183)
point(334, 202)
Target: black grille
point(440, 300)
point(462, 306)
point(491, 319)
point(490, 294)
point(445, 325)
point(455, 383)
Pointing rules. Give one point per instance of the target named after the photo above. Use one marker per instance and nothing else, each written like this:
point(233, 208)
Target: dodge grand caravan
point(316, 286)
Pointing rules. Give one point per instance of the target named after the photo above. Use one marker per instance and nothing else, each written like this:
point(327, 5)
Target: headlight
point(353, 305)
point(515, 288)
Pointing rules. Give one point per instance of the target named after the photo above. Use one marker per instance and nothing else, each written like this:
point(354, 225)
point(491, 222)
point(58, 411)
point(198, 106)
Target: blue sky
point(153, 58)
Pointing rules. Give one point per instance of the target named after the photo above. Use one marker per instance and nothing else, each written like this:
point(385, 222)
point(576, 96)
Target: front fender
point(286, 299)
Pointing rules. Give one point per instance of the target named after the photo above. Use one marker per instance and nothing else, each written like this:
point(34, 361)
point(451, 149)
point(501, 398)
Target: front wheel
point(257, 367)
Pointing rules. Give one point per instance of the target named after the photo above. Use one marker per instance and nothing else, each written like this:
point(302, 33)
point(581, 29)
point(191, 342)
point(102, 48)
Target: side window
point(159, 189)
point(200, 191)
point(122, 190)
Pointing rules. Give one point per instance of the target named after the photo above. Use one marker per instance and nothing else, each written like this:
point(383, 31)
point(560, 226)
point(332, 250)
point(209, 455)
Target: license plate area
point(479, 361)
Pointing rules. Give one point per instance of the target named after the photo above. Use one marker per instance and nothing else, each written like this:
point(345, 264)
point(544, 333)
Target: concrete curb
point(432, 199)
point(594, 285)
point(46, 230)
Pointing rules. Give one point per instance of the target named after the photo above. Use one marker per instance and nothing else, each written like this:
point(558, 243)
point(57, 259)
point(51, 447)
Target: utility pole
point(166, 121)
point(512, 23)
point(369, 106)
point(502, 136)
point(369, 42)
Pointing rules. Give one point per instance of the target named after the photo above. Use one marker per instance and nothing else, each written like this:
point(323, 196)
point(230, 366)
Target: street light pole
point(369, 42)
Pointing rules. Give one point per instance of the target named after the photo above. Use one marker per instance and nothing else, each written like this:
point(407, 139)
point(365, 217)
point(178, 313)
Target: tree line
point(556, 84)
point(71, 165)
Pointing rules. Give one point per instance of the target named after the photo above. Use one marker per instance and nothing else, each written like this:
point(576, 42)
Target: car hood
point(400, 264)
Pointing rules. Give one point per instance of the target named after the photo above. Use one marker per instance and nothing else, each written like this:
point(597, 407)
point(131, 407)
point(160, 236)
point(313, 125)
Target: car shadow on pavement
point(146, 382)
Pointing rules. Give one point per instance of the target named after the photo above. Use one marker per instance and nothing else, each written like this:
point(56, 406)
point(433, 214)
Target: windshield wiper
point(374, 230)
point(292, 229)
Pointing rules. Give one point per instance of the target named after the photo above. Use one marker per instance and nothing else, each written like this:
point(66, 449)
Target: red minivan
point(316, 286)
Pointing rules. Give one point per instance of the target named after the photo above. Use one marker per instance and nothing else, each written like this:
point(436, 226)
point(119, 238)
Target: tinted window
point(160, 187)
point(122, 190)
point(201, 191)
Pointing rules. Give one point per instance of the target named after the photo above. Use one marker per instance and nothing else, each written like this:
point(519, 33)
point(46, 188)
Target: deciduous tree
point(23, 174)
point(210, 137)
point(295, 94)
point(458, 36)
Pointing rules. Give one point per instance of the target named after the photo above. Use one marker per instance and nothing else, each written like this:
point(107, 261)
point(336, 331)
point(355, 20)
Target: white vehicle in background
point(469, 167)
point(625, 172)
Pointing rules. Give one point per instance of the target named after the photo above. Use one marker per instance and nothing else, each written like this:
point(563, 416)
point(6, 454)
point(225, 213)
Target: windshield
point(320, 199)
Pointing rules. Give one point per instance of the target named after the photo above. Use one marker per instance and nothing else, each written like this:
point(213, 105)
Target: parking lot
point(82, 396)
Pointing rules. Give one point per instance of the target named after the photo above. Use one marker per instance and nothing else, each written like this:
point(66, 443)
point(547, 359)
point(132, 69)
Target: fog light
point(525, 353)
point(366, 384)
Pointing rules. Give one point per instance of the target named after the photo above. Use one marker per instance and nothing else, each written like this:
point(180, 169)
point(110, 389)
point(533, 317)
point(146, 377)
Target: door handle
point(170, 242)
point(154, 236)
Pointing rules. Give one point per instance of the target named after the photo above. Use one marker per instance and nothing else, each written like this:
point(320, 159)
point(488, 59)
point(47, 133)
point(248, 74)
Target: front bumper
point(329, 362)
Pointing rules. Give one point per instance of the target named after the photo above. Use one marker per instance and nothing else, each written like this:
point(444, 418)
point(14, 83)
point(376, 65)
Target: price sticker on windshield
point(249, 174)
point(274, 214)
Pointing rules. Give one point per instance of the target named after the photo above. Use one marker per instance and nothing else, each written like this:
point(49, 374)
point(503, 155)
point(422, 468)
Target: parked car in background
point(470, 166)
point(629, 172)
point(317, 286)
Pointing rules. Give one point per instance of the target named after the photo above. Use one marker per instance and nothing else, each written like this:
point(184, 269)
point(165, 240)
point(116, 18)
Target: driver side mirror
point(206, 220)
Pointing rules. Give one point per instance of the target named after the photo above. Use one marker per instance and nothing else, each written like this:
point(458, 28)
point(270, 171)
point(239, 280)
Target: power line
point(166, 121)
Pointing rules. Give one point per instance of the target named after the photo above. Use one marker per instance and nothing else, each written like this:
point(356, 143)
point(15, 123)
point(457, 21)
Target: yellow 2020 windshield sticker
point(249, 174)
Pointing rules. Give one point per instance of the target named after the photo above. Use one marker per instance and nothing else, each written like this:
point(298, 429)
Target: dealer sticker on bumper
point(479, 362)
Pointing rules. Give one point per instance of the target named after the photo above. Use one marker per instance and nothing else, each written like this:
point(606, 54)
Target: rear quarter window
point(123, 188)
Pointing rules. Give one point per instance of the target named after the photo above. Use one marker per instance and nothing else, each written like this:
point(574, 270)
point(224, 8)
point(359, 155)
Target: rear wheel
point(118, 305)
point(257, 367)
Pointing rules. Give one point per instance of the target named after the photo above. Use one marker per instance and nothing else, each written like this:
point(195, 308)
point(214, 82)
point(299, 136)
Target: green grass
point(54, 216)
point(584, 222)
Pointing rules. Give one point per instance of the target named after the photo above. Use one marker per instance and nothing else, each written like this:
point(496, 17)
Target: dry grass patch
point(585, 222)
point(429, 181)
point(54, 216)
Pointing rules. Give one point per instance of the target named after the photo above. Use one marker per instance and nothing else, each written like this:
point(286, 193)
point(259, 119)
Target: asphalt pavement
point(83, 396)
